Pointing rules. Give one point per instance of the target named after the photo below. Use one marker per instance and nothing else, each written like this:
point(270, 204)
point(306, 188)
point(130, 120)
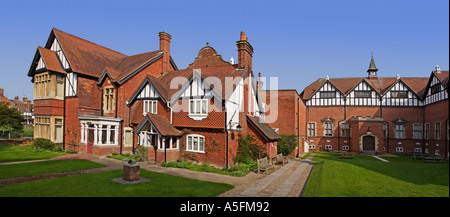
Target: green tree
point(287, 144)
point(10, 119)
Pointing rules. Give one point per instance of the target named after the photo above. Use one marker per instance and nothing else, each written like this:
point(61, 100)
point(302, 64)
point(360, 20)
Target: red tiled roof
point(264, 128)
point(86, 57)
point(380, 84)
point(51, 60)
point(161, 124)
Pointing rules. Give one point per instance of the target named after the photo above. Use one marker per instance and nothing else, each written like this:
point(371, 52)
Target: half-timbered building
point(378, 114)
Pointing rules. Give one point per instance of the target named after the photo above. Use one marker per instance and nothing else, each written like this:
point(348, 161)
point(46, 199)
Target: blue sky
point(296, 41)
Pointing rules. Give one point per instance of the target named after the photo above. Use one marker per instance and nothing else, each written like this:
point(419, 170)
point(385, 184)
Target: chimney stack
point(164, 45)
point(1, 91)
point(245, 52)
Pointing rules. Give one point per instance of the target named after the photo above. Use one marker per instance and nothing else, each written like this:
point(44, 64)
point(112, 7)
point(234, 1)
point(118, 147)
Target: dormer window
point(198, 108)
point(108, 99)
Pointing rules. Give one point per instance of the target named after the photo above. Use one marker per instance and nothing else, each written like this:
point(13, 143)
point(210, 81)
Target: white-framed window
point(198, 107)
point(105, 132)
point(328, 147)
point(426, 151)
point(345, 147)
point(312, 146)
point(417, 150)
point(311, 129)
point(195, 143)
point(150, 106)
point(399, 149)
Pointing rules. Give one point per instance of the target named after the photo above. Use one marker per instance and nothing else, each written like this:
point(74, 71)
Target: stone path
point(287, 181)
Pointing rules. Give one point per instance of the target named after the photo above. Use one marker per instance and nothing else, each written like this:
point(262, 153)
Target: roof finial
point(438, 69)
point(328, 78)
point(207, 44)
point(372, 54)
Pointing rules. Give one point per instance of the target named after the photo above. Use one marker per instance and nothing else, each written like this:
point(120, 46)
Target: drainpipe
point(339, 126)
point(168, 105)
point(226, 139)
point(64, 116)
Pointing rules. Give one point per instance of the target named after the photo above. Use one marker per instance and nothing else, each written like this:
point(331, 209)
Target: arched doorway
point(368, 143)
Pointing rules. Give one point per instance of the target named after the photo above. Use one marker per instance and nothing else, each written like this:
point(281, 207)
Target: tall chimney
point(1, 91)
point(245, 52)
point(164, 45)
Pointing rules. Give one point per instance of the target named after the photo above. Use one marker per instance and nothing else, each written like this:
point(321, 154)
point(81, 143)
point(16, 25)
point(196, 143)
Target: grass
point(101, 185)
point(10, 153)
point(45, 167)
point(365, 176)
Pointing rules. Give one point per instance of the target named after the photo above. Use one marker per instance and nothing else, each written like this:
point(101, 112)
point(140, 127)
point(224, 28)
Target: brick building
point(379, 114)
point(96, 100)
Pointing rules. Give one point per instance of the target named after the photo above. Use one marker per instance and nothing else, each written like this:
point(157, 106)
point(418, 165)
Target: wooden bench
point(436, 159)
point(263, 165)
point(419, 156)
point(347, 155)
point(282, 159)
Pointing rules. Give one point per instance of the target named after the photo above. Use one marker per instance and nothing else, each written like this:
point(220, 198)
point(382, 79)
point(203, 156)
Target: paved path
point(287, 181)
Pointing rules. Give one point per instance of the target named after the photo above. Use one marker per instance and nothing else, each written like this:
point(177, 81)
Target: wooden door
point(369, 143)
point(90, 141)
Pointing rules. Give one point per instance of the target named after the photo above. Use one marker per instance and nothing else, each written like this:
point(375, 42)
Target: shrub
point(287, 144)
point(141, 153)
point(41, 143)
point(248, 149)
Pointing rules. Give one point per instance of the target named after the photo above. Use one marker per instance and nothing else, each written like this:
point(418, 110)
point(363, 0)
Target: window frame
point(109, 99)
point(311, 129)
point(437, 130)
point(417, 133)
point(402, 130)
point(200, 104)
point(150, 106)
point(190, 147)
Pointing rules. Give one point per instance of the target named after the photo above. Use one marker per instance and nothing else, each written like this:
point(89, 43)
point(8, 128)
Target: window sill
point(201, 152)
point(197, 117)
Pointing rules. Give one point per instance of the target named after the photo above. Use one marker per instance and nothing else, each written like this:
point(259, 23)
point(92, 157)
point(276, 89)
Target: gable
point(400, 95)
point(326, 95)
point(59, 52)
point(207, 57)
point(363, 95)
point(146, 90)
point(435, 91)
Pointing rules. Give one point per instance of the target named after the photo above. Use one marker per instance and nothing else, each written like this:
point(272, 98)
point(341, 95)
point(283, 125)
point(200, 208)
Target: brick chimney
point(164, 45)
point(245, 52)
point(1, 91)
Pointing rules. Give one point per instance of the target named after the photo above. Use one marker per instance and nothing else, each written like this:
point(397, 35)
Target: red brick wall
point(53, 107)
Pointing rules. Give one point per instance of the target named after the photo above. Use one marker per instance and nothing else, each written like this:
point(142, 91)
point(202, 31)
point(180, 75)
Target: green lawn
point(9, 153)
point(101, 185)
point(45, 167)
point(365, 176)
